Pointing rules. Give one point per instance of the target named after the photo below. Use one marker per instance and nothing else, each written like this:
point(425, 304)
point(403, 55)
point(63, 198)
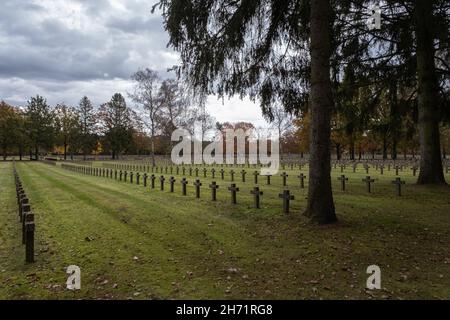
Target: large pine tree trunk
point(320, 207)
point(431, 169)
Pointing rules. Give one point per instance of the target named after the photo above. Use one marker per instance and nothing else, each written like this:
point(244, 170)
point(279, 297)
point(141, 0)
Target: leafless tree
point(146, 96)
point(281, 122)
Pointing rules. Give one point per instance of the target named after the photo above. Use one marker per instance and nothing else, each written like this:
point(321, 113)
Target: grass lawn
point(133, 242)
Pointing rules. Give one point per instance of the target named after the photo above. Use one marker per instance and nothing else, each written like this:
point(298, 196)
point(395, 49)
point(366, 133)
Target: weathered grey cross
point(197, 185)
point(184, 183)
point(162, 179)
point(398, 182)
point(243, 173)
point(172, 184)
point(284, 175)
point(256, 196)
point(343, 179)
point(152, 179)
point(256, 174)
point(368, 180)
point(233, 189)
point(213, 186)
point(287, 197)
point(302, 178)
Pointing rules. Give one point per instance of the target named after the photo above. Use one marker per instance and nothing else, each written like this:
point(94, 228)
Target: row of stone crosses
point(302, 177)
point(150, 180)
point(379, 166)
point(26, 218)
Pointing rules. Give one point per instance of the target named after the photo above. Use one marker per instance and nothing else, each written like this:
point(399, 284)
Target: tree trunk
point(394, 154)
point(153, 146)
point(320, 208)
point(431, 169)
point(385, 153)
point(352, 148)
point(395, 120)
point(338, 151)
point(36, 153)
point(65, 151)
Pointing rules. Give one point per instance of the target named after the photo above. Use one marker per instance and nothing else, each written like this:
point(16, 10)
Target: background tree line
point(114, 128)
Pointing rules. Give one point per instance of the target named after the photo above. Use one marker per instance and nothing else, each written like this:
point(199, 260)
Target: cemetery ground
point(132, 242)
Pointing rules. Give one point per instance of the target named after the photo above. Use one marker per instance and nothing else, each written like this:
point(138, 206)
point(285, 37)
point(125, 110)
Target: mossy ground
point(137, 243)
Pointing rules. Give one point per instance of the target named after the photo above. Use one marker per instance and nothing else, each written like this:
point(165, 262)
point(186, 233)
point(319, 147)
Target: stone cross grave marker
point(343, 179)
point(255, 175)
point(213, 186)
point(29, 238)
point(152, 180)
point(184, 183)
point(368, 180)
point(197, 185)
point(287, 197)
point(302, 178)
point(172, 184)
point(243, 173)
point(256, 196)
point(145, 178)
point(26, 209)
point(284, 175)
point(398, 183)
point(233, 190)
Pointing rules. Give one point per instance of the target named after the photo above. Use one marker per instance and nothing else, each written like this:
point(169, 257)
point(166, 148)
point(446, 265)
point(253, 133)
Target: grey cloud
point(112, 43)
point(64, 54)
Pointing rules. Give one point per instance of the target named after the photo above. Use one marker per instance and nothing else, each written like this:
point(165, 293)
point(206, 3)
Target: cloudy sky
point(65, 49)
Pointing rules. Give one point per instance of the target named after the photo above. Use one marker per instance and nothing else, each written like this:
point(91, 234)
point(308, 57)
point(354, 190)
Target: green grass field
point(135, 243)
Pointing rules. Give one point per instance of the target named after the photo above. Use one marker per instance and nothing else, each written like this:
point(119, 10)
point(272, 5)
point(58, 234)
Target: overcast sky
point(65, 49)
